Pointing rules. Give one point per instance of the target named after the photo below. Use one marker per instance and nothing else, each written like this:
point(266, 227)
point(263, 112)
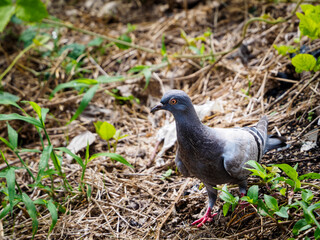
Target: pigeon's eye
point(173, 101)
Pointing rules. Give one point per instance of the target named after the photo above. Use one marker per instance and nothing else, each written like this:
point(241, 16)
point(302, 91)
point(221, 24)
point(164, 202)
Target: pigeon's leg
point(208, 217)
point(243, 191)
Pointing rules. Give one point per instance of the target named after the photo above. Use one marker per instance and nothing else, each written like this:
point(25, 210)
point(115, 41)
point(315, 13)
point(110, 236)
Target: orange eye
point(173, 101)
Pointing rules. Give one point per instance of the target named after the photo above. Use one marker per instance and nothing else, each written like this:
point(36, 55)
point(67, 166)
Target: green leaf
point(84, 102)
point(306, 8)
point(147, 75)
point(87, 154)
point(271, 202)
point(113, 156)
point(44, 159)
point(28, 150)
point(89, 191)
point(291, 172)
point(163, 46)
point(225, 208)
point(167, 174)
point(75, 50)
point(32, 211)
point(105, 130)
point(44, 112)
point(313, 207)
point(194, 50)
point(124, 38)
point(257, 170)
point(316, 234)
point(131, 28)
point(54, 214)
point(11, 181)
point(6, 11)
point(137, 68)
point(7, 143)
point(317, 67)
point(283, 191)
point(107, 79)
point(7, 208)
point(227, 196)
point(309, 176)
point(31, 10)
point(77, 158)
point(283, 49)
point(95, 42)
point(307, 195)
point(27, 36)
point(40, 201)
point(283, 212)
point(82, 82)
point(253, 193)
point(13, 136)
point(15, 116)
point(118, 136)
point(303, 62)
point(301, 225)
point(262, 208)
point(310, 22)
point(35, 107)
point(9, 99)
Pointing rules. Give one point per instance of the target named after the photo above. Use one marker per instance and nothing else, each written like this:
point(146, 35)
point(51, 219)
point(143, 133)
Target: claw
point(208, 217)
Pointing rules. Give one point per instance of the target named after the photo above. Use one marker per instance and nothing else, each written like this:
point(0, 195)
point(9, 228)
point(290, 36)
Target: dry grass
point(138, 204)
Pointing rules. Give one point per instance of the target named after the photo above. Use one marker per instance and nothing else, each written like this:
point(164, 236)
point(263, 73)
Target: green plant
point(309, 25)
point(26, 10)
point(125, 37)
point(14, 195)
point(199, 51)
point(282, 181)
point(247, 92)
point(167, 174)
point(228, 198)
point(107, 131)
point(122, 99)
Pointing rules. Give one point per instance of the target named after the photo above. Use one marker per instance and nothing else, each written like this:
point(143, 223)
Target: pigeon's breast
point(203, 157)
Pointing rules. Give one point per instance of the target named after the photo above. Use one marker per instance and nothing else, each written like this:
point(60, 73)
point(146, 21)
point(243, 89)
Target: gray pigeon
point(214, 155)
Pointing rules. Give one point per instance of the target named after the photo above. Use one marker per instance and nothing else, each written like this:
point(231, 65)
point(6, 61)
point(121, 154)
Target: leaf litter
point(138, 203)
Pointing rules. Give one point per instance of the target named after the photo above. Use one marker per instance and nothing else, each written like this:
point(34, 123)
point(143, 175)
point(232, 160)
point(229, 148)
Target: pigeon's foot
point(208, 217)
point(243, 204)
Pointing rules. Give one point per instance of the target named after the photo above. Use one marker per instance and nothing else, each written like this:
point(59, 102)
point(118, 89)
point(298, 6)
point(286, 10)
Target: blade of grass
point(11, 180)
point(32, 211)
point(15, 116)
point(113, 156)
point(13, 136)
point(54, 214)
point(77, 158)
point(84, 102)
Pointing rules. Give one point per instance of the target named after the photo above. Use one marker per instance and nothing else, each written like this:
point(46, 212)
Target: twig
point(110, 39)
point(15, 60)
point(171, 208)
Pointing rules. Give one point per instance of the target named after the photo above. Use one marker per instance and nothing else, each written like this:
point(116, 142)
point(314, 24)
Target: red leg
point(242, 203)
point(208, 217)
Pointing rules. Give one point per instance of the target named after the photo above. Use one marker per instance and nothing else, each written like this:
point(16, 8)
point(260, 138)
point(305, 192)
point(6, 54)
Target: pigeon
point(215, 155)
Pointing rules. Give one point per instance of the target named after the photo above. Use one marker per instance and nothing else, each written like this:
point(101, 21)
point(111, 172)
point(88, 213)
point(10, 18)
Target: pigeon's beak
point(157, 107)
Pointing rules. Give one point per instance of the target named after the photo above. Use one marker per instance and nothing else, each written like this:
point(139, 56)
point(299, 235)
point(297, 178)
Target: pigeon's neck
point(188, 125)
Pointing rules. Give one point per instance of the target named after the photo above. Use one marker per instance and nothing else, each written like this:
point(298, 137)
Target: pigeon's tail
point(264, 141)
point(274, 142)
point(262, 132)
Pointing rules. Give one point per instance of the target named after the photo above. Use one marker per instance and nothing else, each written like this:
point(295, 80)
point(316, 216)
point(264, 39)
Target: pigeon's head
point(174, 101)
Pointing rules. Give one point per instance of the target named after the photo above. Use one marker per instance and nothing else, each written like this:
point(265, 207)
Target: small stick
point(171, 208)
